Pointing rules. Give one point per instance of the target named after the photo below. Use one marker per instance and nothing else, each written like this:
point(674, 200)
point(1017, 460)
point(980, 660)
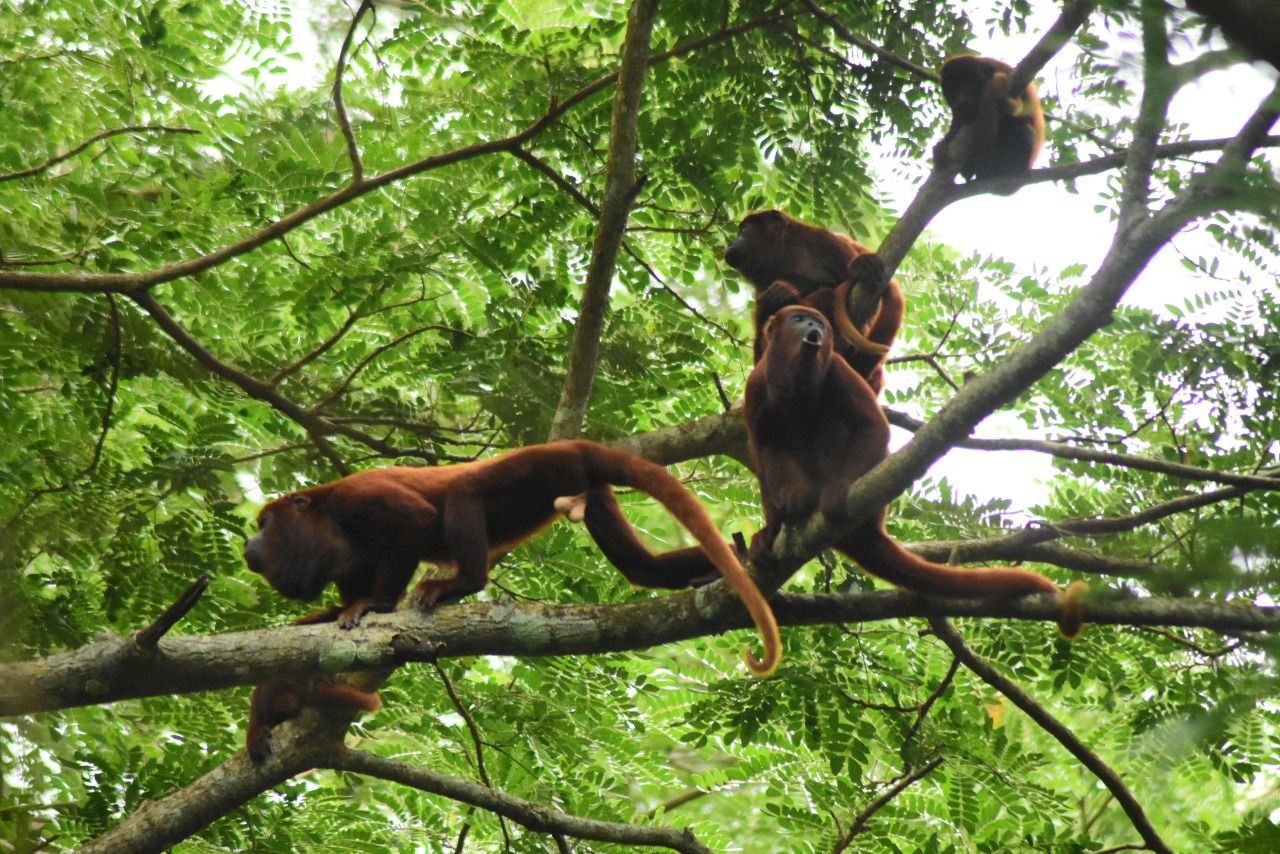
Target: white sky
point(1045, 228)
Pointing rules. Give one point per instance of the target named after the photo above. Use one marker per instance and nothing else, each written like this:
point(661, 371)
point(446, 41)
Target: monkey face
point(760, 239)
point(299, 548)
point(800, 330)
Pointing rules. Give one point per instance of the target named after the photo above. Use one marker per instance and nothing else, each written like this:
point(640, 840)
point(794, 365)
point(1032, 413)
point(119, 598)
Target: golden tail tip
point(1071, 621)
point(760, 669)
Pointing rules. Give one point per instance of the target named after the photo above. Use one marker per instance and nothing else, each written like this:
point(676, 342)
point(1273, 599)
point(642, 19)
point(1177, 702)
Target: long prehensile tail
point(625, 469)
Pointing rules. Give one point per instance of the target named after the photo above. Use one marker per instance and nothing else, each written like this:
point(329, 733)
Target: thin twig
point(536, 817)
point(146, 639)
point(930, 700)
point(866, 45)
point(106, 134)
point(906, 780)
point(1077, 748)
point(367, 360)
point(1065, 451)
point(315, 425)
point(340, 108)
point(476, 739)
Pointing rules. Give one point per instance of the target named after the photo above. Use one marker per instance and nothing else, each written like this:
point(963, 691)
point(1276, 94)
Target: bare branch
point(620, 190)
point(1077, 748)
point(1065, 451)
point(866, 45)
point(899, 786)
point(106, 134)
point(534, 816)
point(146, 639)
point(340, 108)
point(1021, 547)
point(107, 670)
point(1096, 166)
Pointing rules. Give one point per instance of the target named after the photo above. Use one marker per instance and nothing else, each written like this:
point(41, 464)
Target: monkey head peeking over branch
point(814, 428)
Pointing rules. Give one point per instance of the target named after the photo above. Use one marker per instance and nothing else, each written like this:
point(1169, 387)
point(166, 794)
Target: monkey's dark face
point(298, 549)
point(964, 82)
point(760, 240)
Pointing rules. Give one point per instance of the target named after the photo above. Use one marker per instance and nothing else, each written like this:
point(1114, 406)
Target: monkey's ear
point(768, 324)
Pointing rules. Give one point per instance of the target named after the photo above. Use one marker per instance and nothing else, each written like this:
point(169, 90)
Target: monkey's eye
point(262, 523)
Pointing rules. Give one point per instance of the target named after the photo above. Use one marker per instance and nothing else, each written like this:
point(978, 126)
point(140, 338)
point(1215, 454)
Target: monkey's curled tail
point(623, 469)
point(877, 553)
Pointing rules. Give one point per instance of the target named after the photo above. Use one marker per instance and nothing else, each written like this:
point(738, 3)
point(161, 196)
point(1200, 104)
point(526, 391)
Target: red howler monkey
point(1254, 25)
point(814, 428)
point(273, 703)
point(368, 532)
point(791, 263)
point(998, 135)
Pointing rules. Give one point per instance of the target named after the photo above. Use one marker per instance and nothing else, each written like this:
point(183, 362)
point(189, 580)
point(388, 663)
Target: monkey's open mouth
point(814, 338)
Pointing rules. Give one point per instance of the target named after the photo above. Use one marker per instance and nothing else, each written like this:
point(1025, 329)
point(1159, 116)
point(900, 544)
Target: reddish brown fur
point(1254, 25)
point(791, 263)
point(367, 533)
point(996, 134)
point(815, 428)
point(273, 703)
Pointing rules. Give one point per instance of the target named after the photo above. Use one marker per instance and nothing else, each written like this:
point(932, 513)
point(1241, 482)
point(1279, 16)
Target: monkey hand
point(573, 507)
point(429, 592)
point(794, 501)
point(354, 613)
point(867, 268)
point(776, 297)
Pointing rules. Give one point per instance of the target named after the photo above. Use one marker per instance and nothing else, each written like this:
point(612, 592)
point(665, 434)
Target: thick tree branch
point(1065, 451)
point(1096, 166)
point(1138, 237)
point(1074, 14)
point(161, 824)
point(984, 671)
point(620, 190)
point(112, 668)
